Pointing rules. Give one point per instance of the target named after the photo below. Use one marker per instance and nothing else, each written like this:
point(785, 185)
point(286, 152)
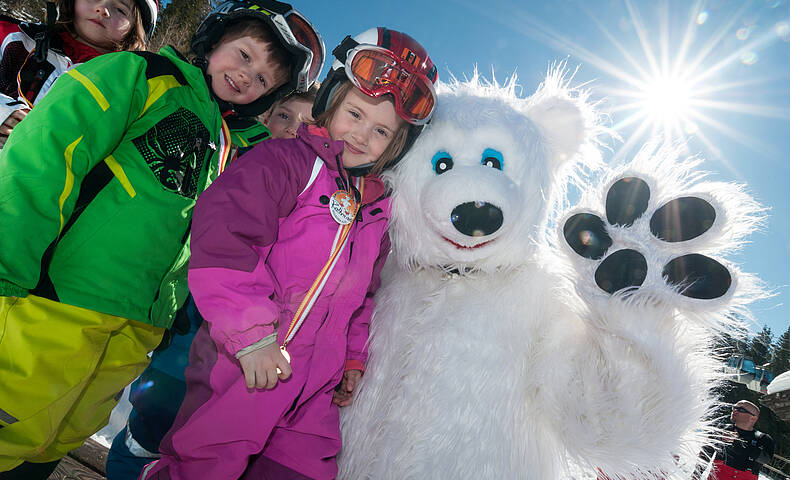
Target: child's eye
point(262, 80)
point(354, 113)
point(284, 116)
point(122, 12)
point(383, 132)
point(244, 55)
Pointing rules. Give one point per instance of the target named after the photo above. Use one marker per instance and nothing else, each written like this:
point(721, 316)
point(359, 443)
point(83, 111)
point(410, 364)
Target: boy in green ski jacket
point(97, 187)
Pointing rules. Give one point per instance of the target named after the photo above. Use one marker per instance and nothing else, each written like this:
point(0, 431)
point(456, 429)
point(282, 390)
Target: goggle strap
point(52, 14)
point(341, 51)
point(278, 7)
point(360, 170)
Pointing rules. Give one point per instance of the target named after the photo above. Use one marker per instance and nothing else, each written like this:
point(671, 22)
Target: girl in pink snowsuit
point(287, 246)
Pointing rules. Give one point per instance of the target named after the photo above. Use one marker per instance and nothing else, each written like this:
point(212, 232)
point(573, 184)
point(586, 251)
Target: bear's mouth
point(462, 247)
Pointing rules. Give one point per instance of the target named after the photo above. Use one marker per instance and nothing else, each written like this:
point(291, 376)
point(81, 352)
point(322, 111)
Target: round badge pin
point(343, 207)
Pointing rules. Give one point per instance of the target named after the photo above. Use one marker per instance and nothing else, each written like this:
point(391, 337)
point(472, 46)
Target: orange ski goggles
point(376, 71)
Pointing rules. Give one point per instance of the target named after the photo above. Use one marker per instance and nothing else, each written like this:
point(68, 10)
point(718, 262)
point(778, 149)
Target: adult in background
point(744, 449)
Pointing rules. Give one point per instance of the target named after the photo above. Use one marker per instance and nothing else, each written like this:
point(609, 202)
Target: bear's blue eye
point(442, 162)
point(492, 158)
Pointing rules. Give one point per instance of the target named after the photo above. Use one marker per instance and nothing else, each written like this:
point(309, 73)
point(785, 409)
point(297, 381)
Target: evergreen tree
point(741, 341)
point(780, 361)
point(728, 345)
point(760, 346)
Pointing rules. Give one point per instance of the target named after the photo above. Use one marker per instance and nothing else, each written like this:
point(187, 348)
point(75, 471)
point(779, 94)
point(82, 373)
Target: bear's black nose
point(476, 219)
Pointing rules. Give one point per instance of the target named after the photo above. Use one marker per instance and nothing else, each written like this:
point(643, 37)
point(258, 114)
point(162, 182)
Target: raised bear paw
point(641, 240)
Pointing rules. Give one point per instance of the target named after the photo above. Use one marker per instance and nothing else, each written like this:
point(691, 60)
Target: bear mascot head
point(480, 182)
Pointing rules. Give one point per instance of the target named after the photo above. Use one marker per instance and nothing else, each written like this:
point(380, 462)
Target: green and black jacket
point(98, 184)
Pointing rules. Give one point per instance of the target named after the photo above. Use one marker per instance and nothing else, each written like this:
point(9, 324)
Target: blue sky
point(734, 77)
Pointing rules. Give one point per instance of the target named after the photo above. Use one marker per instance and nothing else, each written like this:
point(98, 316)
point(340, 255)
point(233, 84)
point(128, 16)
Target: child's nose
point(244, 77)
point(360, 136)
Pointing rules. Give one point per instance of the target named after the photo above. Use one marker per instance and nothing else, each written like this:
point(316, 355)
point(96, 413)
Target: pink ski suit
point(260, 235)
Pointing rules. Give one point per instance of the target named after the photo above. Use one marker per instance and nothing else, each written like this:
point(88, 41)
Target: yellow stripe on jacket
point(69, 186)
point(157, 87)
point(92, 88)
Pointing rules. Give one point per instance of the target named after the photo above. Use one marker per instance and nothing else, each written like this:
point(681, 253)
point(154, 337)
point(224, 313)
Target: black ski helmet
point(149, 10)
point(295, 33)
point(410, 55)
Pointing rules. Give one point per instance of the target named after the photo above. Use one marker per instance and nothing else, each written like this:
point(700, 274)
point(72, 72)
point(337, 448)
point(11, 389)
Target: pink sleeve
point(235, 304)
point(358, 331)
point(235, 223)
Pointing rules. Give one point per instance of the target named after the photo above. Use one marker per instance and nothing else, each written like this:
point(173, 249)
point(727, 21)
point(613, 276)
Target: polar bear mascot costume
point(517, 338)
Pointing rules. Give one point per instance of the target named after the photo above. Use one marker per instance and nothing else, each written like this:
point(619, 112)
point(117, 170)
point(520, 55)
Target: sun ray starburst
point(667, 80)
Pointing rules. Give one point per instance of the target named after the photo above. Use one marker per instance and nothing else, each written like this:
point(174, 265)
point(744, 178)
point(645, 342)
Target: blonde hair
point(134, 40)
point(398, 139)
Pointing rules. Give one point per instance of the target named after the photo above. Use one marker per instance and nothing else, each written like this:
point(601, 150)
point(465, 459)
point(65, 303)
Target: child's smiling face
point(241, 72)
point(103, 24)
point(366, 125)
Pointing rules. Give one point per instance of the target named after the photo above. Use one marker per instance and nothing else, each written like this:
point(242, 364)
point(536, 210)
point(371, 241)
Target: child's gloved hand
point(344, 393)
point(10, 123)
point(260, 367)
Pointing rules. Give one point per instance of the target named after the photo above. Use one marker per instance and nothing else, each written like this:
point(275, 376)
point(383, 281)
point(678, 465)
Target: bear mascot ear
point(563, 115)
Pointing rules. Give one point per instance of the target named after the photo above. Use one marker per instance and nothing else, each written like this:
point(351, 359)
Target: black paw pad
point(698, 276)
point(682, 219)
point(678, 220)
point(626, 201)
point(622, 269)
point(586, 235)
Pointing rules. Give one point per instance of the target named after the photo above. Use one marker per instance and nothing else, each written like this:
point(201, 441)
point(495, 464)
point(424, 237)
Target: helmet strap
point(327, 90)
point(42, 37)
point(360, 170)
point(202, 64)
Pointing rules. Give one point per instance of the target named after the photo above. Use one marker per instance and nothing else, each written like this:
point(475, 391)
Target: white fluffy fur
point(517, 365)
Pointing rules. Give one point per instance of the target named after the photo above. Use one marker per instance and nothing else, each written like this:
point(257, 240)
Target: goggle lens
point(420, 103)
point(377, 72)
point(306, 35)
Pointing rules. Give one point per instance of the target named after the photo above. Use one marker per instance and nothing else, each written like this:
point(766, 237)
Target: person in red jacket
point(34, 55)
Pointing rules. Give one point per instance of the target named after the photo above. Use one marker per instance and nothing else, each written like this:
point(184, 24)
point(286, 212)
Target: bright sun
point(671, 90)
point(667, 100)
point(663, 103)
